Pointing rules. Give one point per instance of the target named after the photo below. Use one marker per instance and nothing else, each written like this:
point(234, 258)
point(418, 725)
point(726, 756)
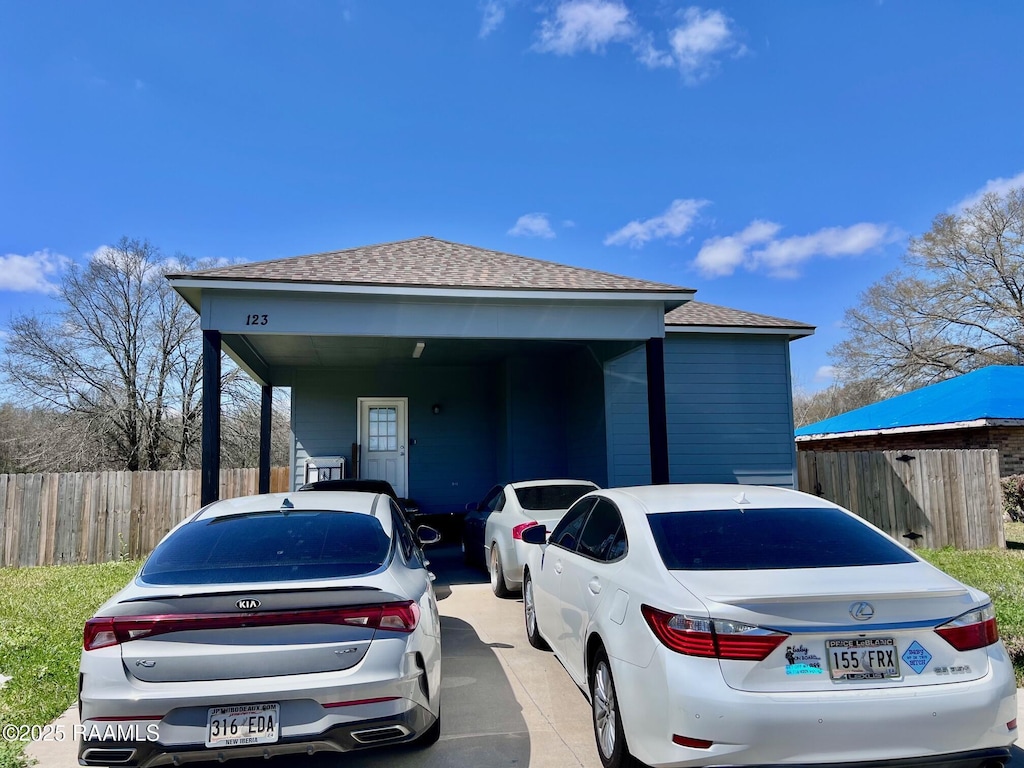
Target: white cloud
point(493, 14)
point(826, 373)
point(679, 217)
point(722, 255)
point(584, 25)
point(648, 54)
point(33, 273)
point(591, 25)
point(533, 225)
point(701, 37)
point(1000, 186)
point(782, 257)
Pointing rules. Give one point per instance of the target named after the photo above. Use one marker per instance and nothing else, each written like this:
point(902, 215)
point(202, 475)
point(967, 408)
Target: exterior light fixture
point(436, 408)
point(418, 350)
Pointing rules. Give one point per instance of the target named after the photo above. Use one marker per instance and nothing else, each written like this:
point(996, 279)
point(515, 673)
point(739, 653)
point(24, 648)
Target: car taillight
point(713, 638)
point(112, 630)
point(517, 531)
point(971, 630)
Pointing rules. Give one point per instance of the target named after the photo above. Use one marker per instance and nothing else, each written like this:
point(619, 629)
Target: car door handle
point(594, 586)
point(558, 566)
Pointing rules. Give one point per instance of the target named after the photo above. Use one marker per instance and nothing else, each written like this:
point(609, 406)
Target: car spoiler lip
point(821, 596)
point(245, 589)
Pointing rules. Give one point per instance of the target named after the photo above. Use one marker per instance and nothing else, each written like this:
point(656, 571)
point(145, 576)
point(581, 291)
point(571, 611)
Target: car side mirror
point(427, 535)
point(473, 506)
point(535, 534)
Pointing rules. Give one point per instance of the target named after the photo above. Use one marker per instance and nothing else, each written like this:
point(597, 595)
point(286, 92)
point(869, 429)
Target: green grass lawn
point(42, 611)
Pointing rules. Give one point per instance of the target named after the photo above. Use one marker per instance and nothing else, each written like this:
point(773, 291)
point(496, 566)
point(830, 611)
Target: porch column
point(210, 486)
point(657, 416)
point(266, 414)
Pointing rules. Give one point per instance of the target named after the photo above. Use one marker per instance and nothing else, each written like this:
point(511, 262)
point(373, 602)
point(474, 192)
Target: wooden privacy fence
point(94, 517)
point(949, 498)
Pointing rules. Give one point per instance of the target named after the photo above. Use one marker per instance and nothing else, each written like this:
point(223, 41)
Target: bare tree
point(840, 397)
point(119, 359)
point(957, 305)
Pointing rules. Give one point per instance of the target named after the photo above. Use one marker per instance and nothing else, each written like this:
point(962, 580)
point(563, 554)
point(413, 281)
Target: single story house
point(981, 409)
point(448, 368)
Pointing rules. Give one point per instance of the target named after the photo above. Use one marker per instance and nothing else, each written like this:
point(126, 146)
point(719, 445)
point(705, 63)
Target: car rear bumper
point(981, 758)
point(399, 727)
point(391, 685)
point(951, 724)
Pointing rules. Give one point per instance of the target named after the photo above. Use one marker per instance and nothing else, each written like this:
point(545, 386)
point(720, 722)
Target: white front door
point(383, 437)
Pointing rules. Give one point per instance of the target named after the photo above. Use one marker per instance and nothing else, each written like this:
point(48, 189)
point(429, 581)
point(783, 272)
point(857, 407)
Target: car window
point(542, 498)
point(760, 539)
point(490, 498)
point(602, 530)
point(269, 546)
point(402, 533)
point(567, 532)
point(497, 503)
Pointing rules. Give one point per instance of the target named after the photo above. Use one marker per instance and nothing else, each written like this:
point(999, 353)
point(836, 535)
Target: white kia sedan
point(739, 625)
point(507, 511)
point(267, 625)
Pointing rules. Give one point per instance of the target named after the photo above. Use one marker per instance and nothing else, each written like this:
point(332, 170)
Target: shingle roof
point(429, 262)
point(699, 313)
point(993, 393)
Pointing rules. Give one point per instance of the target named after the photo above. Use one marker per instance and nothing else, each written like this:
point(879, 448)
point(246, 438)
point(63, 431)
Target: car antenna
point(287, 506)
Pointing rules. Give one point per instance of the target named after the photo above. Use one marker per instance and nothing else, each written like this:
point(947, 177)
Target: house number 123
point(255, 319)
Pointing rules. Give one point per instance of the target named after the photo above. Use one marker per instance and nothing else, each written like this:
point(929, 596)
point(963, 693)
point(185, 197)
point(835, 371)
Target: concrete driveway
point(505, 704)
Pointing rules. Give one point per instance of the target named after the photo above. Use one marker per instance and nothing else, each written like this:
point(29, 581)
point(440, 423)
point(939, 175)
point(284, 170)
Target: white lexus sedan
point(267, 625)
point(740, 625)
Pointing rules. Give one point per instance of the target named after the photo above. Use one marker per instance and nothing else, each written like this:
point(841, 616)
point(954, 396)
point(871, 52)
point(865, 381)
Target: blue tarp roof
point(996, 392)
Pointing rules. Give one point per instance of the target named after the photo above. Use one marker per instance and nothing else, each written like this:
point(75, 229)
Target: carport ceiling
point(293, 351)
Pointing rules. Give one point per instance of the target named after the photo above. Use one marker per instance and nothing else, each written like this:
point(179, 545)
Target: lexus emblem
point(862, 611)
point(248, 604)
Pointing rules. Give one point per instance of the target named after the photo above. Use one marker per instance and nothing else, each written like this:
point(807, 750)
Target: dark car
point(409, 508)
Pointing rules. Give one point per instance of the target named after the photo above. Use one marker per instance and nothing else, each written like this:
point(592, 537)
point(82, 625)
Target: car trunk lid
point(865, 626)
point(250, 633)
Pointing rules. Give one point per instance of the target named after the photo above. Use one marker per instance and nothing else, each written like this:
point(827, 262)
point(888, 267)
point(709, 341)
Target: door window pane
point(383, 429)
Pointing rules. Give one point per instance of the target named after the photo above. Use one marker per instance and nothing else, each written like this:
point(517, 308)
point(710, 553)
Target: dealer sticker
point(916, 657)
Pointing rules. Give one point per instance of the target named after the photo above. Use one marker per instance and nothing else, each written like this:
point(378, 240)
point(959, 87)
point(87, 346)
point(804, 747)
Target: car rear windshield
point(761, 539)
point(270, 546)
point(544, 497)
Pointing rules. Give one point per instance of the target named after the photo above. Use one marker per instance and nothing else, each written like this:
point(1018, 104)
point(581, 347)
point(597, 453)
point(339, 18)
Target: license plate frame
point(857, 658)
point(243, 725)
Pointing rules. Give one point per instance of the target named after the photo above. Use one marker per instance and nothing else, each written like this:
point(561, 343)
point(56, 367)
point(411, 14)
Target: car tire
point(608, 731)
point(498, 585)
point(429, 736)
point(530, 614)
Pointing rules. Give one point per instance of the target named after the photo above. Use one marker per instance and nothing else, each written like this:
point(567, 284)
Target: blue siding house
point(446, 368)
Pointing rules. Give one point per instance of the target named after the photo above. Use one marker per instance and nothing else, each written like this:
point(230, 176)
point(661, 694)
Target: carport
point(447, 366)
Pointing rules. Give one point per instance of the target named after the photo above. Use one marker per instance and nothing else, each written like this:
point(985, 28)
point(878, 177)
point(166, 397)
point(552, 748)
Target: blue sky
point(775, 156)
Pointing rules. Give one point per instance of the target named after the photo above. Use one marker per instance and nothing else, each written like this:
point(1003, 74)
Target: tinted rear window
point(269, 547)
point(545, 497)
point(760, 539)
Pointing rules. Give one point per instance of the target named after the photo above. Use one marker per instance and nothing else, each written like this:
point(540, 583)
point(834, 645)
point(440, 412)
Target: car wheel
point(498, 585)
point(429, 736)
point(530, 612)
point(611, 739)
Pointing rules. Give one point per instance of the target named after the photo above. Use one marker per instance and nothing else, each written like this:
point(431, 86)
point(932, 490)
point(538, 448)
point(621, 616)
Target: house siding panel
point(453, 459)
point(729, 406)
point(536, 426)
point(586, 455)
